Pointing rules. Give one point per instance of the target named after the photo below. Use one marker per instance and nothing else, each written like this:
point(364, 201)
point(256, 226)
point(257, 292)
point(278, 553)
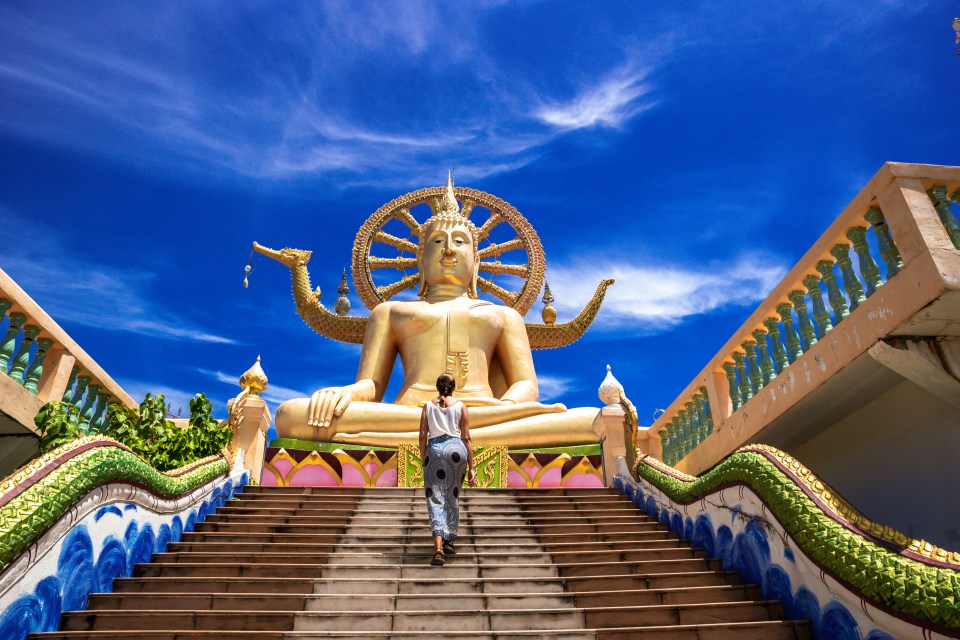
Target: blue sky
point(692, 150)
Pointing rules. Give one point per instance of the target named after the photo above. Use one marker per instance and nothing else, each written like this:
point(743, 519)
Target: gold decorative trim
point(554, 336)
point(37, 465)
point(843, 510)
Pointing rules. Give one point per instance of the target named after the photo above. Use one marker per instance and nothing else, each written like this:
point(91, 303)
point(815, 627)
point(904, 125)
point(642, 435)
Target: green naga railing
point(850, 263)
point(886, 568)
point(37, 495)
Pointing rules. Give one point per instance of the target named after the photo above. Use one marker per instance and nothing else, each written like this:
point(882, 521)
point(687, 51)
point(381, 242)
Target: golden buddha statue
point(485, 346)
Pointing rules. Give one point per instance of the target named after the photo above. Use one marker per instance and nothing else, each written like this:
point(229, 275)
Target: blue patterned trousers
point(444, 470)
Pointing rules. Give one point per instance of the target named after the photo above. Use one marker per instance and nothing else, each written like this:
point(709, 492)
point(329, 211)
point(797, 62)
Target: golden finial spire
point(549, 313)
point(254, 378)
point(342, 306)
point(449, 205)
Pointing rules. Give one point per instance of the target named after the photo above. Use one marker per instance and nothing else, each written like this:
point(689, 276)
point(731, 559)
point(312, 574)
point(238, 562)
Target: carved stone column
point(608, 425)
point(251, 419)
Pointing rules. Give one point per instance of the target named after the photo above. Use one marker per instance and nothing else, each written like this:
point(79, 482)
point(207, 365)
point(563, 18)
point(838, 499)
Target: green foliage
point(146, 430)
point(57, 424)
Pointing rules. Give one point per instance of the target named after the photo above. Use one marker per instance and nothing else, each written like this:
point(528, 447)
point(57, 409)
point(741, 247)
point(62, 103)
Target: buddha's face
point(448, 256)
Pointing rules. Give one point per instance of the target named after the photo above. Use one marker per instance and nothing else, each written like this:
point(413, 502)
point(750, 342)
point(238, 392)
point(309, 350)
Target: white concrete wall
point(897, 460)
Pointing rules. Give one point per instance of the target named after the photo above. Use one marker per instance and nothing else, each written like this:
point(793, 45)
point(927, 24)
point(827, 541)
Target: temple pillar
point(608, 425)
point(250, 420)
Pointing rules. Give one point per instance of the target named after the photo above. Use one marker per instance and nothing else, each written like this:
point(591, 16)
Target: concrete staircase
point(297, 562)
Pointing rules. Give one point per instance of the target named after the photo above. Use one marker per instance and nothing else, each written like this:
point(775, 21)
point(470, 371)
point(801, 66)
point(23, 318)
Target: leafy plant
point(146, 430)
point(57, 424)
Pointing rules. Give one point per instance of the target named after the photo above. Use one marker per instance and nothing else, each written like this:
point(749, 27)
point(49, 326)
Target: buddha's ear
point(422, 291)
point(472, 291)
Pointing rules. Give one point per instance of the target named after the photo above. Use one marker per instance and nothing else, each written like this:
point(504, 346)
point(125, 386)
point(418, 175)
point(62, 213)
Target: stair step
point(300, 584)
point(378, 620)
point(762, 630)
point(347, 544)
point(425, 552)
point(201, 601)
point(489, 538)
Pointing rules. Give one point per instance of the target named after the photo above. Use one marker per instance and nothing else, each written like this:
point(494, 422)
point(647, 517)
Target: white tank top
point(443, 421)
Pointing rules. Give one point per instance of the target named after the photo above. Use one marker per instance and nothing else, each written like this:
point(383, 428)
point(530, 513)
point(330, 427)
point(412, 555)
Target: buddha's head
point(448, 248)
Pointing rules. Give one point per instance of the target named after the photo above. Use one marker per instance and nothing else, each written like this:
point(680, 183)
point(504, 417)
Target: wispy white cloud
point(103, 297)
point(294, 117)
point(554, 388)
point(609, 103)
point(653, 299)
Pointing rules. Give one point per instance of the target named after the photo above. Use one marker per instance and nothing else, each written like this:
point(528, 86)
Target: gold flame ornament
point(342, 305)
point(549, 313)
point(254, 379)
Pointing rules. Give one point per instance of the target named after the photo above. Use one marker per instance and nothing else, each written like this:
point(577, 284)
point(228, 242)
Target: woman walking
point(445, 447)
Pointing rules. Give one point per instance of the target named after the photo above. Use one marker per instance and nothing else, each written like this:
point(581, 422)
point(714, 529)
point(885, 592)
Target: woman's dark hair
point(446, 384)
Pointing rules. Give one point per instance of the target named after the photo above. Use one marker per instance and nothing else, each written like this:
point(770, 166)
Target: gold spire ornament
point(342, 305)
point(956, 27)
point(254, 379)
point(549, 313)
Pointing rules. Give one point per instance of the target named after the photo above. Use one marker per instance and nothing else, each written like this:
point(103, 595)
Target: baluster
point(837, 301)
point(691, 426)
point(753, 369)
point(97, 421)
point(87, 412)
point(678, 450)
point(22, 359)
point(5, 306)
point(694, 417)
point(77, 398)
point(701, 418)
point(728, 368)
point(683, 435)
point(820, 313)
point(708, 415)
point(841, 251)
point(888, 250)
point(68, 392)
point(699, 401)
point(687, 430)
point(938, 195)
point(778, 353)
point(664, 444)
point(790, 335)
point(36, 367)
point(868, 267)
point(9, 343)
point(672, 432)
point(766, 362)
point(807, 330)
point(745, 391)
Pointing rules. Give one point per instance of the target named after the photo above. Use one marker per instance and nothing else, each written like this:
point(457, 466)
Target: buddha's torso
point(423, 341)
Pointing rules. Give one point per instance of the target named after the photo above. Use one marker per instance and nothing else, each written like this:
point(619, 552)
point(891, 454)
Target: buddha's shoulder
point(499, 311)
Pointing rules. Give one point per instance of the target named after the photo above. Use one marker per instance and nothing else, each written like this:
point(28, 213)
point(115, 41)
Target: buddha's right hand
point(326, 404)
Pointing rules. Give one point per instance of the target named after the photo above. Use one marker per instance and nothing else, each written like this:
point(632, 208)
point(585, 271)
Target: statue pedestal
point(251, 421)
point(608, 425)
